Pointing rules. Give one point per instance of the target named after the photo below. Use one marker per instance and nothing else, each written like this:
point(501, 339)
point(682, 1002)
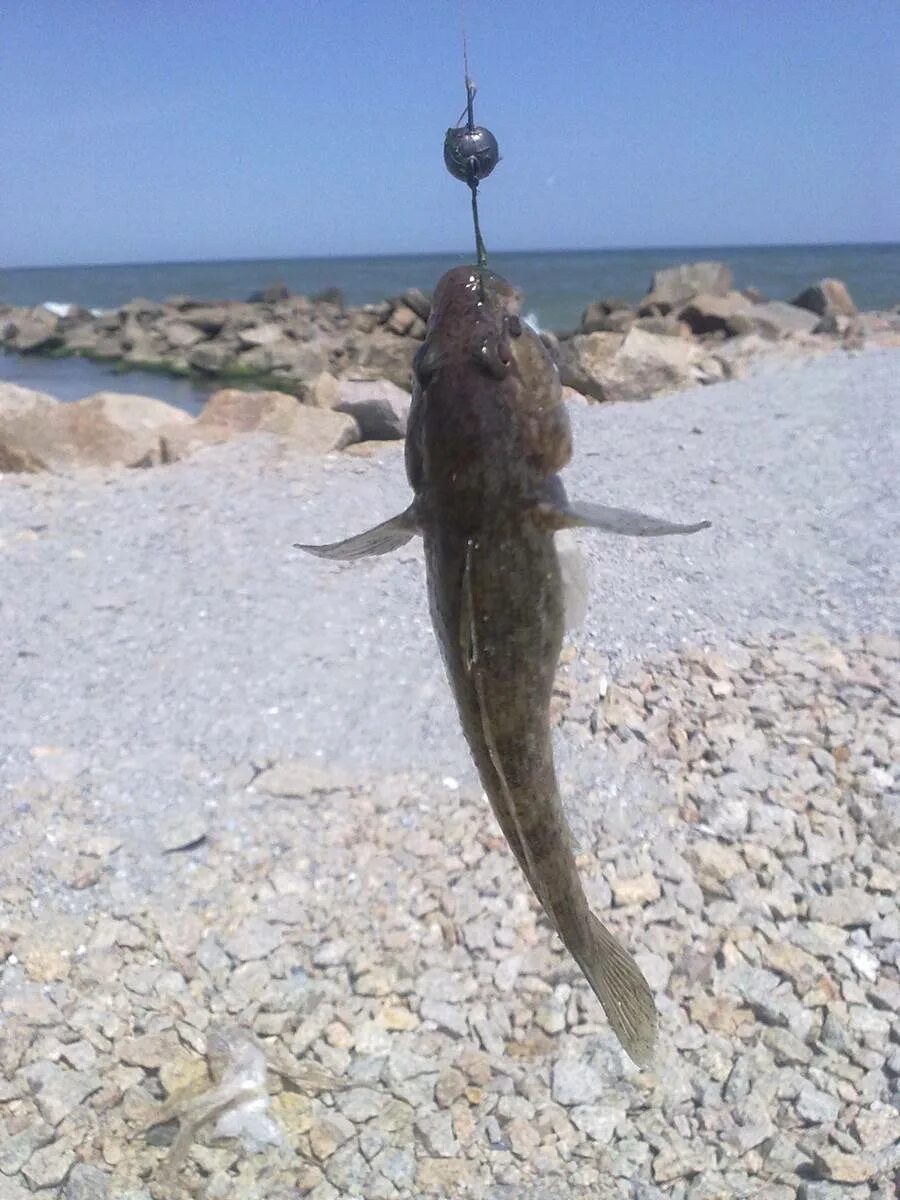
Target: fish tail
point(620, 987)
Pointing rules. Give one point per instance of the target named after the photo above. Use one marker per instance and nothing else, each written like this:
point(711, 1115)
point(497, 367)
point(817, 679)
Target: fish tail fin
point(622, 990)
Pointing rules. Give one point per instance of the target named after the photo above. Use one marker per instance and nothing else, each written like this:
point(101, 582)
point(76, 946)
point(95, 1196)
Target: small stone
point(845, 907)
point(182, 831)
point(523, 1137)
point(817, 1107)
point(436, 1132)
point(86, 1183)
point(575, 1081)
point(49, 1166)
point(831, 1163)
point(641, 889)
point(59, 1092)
point(450, 1086)
point(878, 1128)
point(327, 1133)
point(16, 1150)
point(253, 939)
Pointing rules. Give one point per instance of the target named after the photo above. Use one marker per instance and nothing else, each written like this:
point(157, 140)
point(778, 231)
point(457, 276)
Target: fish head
point(485, 382)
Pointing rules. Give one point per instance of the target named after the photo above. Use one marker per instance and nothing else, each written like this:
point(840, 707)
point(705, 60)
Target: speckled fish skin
point(488, 434)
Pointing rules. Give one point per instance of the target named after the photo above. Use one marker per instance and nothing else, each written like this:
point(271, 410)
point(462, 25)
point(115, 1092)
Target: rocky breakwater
point(112, 429)
point(694, 327)
point(296, 343)
point(691, 328)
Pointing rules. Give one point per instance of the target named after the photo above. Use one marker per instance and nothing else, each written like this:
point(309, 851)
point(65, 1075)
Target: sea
point(558, 284)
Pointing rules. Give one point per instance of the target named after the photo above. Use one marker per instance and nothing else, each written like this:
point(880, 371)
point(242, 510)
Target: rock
point(641, 889)
point(831, 1163)
point(713, 314)
point(647, 363)
point(49, 1166)
point(674, 286)
point(209, 319)
point(817, 1107)
point(401, 320)
point(436, 1132)
point(327, 1133)
point(16, 1149)
point(845, 907)
point(314, 430)
point(107, 429)
point(417, 300)
point(576, 1081)
point(607, 316)
point(180, 335)
point(379, 407)
point(774, 319)
point(261, 335)
point(183, 440)
point(212, 357)
point(31, 330)
point(19, 409)
point(86, 1183)
point(387, 356)
point(584, 360)
point(828, 297)
point(58, 1091)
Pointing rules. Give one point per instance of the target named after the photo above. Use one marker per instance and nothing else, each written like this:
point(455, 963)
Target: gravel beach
point(234, 794)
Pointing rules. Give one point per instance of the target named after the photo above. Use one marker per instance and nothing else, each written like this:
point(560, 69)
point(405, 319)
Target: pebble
point(424, 1031)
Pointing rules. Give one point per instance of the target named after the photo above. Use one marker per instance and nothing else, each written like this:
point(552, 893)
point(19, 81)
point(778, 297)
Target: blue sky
point(138, 130)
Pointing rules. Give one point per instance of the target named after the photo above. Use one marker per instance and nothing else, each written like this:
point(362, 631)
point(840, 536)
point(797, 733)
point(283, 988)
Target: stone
point(831, 1163)
point(713, 314)
point(828, 297)
point(275, 293)
point(436, 1133)
point(312, 430)
point(32, 330)
point(327, 1133)
point(845, 907)
point(379, 407)
point(107, 429)
point(49, 1166)
point(86, 1182)
point(674, 286)
point(212, 357)
point(576, 1081)
point(59, 1092)
point(641, 889)
point(775, 319)
point(401, 320)
point(19, 409)
point(817, 1107)
point(253, 939)
point(17, 1149)
point(261, 335)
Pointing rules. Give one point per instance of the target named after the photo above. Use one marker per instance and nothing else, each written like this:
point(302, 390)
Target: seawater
point(557, 284)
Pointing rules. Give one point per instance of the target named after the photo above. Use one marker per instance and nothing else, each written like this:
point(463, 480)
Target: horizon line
point(285, 258)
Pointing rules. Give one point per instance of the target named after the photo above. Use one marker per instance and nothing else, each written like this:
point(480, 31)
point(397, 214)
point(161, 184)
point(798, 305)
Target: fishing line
point(470, 150)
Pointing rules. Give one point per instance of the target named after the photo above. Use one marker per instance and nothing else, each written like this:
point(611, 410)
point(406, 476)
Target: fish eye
point(514, 327)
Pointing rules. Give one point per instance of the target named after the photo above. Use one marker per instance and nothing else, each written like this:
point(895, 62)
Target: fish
point(487, 436)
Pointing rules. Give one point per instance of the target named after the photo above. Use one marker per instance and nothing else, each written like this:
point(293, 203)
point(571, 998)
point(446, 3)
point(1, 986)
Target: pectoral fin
point(384, 538)
point(574, 575)
point(614, 520)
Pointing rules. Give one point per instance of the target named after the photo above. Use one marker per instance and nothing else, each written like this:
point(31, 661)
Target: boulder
point(322, 392)
point(774, 319)
point(713, 314)
point(32, 329)
point(605, 366)
point(261, 335)
point(584, 360)
point(416, 299)
point(669, 326)
point(315, 430)
point(674, 286)
point(19, 408)
point(607, 316)
point(208, 318)
point(180, 334)
point(401, 320)
point(182, 440)
point(212, 357)
point(387, 356)
point(827, 298)
point(379, 407)
point(108, 429)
